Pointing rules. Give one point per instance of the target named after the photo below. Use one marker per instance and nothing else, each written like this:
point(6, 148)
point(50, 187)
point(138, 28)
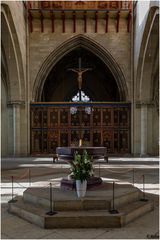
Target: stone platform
point(88, 212)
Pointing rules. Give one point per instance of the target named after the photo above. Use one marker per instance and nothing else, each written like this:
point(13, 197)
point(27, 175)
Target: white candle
point(80, 142)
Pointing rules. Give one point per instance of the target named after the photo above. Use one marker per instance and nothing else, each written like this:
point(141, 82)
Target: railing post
point(144, 198)
point(99, 172)
point(29, 177)
point(113, 210)
point(51, 212)
point(12, 200)
point(133, 177)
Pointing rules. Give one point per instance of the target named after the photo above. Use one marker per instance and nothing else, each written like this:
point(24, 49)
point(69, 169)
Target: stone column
point(15, 125)
point(144, 130)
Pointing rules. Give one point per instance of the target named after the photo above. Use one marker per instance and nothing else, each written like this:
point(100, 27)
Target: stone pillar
point(15, 125)
point(144, 130)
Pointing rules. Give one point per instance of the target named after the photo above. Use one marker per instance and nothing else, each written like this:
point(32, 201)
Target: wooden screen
point(53, 125)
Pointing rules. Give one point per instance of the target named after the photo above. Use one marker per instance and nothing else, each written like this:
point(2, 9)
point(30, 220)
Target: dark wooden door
point(97, 124)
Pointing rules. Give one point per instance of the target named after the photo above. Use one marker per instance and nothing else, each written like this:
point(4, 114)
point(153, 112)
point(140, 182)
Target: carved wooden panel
point(64, 114)
point(96, 116)
point(96, 138)
point(75, 118)
point(53, 117)
point(36, 117)
point(45, 118)
point(108, 140)
point(123, 117)
point(53, 140)
point(36, 146)
point(123, 141)
point(106, 125)
point(116, 141)
point(107, 116)
point(116, 116)
point(45, 141)
point(86, 138)
point(75, 137)
point(85, 118)
point(64, 136)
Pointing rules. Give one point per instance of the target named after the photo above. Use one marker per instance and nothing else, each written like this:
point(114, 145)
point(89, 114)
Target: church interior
point(79, 87)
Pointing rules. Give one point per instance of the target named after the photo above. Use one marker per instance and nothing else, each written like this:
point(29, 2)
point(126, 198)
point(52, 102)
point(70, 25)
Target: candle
point(80, 142)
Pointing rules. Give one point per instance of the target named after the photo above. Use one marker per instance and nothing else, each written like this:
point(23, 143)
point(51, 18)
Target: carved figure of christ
point(80, 72)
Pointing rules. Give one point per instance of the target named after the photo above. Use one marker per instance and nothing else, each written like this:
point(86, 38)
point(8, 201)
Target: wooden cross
point(80, 71)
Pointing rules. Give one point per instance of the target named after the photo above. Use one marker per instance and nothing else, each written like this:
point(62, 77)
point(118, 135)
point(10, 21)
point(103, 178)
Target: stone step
point(80, 219)
point(68, 200)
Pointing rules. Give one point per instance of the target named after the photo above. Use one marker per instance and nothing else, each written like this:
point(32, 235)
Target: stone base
point(70, 184)
point(91, 211)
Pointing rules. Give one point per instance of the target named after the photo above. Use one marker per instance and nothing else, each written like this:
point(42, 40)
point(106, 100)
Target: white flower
point(86, 161)
point(91, 173)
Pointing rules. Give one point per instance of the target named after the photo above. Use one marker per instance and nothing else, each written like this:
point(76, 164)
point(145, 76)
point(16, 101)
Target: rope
point(26, 174)
point(130, 169)
point(20, 184)
point(140, 177)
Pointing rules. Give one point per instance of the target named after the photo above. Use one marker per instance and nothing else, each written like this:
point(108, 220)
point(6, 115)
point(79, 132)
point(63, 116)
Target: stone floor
point(42, 171)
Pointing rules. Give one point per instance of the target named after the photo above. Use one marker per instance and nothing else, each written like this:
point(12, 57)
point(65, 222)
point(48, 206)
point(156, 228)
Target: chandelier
point(84, 99)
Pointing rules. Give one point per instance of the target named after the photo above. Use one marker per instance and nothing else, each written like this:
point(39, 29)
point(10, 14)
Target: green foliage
point(81, 166)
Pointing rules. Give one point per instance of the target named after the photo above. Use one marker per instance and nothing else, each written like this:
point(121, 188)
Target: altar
point(67, 153)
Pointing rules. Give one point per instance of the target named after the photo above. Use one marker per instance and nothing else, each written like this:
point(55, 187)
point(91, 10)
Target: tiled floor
point(13, 227)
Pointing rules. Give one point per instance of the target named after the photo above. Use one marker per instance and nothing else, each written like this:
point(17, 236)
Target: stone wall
point(117, 44)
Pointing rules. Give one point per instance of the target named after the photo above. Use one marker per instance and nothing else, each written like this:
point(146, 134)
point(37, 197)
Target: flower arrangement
point(81, 167)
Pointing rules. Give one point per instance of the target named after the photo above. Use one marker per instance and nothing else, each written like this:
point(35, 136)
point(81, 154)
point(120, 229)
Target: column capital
point(140, 104)
point(16, 103)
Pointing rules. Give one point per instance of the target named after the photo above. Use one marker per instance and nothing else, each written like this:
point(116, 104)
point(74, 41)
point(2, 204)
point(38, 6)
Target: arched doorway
point(58, 121)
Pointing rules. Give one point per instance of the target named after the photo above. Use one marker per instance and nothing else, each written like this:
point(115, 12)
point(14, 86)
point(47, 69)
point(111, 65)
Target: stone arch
point(4, 72)
point(68, 46)
point(12, 52)
point(145, 63)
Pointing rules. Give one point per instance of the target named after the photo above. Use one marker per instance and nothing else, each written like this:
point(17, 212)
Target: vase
point(81, 188)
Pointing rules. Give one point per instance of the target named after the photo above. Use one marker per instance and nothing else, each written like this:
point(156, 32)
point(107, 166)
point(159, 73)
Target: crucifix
point(80, 71)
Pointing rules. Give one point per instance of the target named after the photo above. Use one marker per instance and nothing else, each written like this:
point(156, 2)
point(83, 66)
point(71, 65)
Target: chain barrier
point(133, 179)
point(14, 180)
point(129, 170)
point(51, 212)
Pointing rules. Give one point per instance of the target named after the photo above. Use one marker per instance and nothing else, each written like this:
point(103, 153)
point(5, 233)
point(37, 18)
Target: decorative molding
point(140, 104)
point(16, 103)
point(80, 5)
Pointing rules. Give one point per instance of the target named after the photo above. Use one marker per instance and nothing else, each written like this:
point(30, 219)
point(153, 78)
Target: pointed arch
point(145, 66)
point(13, 55)
point(70, 45)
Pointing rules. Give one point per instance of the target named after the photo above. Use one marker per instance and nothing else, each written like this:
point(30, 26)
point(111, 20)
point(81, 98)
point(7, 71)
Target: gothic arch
point(4, 72)
point(13, 56)
point(145, 63)
point(68, 46)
